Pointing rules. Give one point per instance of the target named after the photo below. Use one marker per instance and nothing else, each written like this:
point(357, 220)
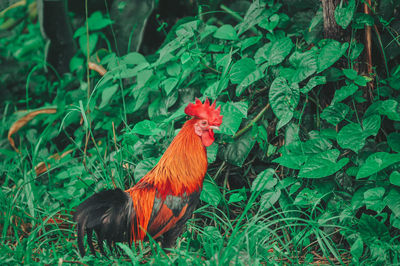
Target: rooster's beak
point(214, 127)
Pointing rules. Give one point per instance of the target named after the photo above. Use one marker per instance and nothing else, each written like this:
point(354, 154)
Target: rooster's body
point(164, 199)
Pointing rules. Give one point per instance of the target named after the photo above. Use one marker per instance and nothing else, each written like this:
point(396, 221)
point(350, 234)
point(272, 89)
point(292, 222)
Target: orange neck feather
point(182, 167)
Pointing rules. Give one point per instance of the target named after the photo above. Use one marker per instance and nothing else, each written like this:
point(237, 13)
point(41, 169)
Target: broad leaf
point(248, 80)
point(169, 84)
point(313, 82)
point(377, 162)
point(134, 58)
point(393, 140)
point(274, 52)
point(264, 181)
point(323, 164)
point(143, 167)
point(391, 109)
point(226, 32)
point(147, 128)
point(107, 94)
point(335, 113)
point(242, 69)
point(393, 201)
point(93, 38)
point(237, 152)
point(212, 151)
point(210, 193)
point(344, 92)
point(96, 21)
point(233, 114)
point(293, 161)
point(268, 199)
point(283, 99)
point(351, 136)
point(344, 14)
point(373, 199)
point(330, 53)
point(305, 65)
point(371, 125)
point(394, 178)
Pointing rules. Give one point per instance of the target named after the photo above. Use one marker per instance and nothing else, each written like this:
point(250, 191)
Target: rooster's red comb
point(205, 111)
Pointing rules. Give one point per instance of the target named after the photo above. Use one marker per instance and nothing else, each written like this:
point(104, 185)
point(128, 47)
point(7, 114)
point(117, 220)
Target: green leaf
point(274, 52)
point(283, 99)
point(373, 199)
point(394, 178)
point(169, 84)
point(313, 82)
point(293, 161)
point(248, 80)
point(264, 181)
point(357, 248)
point(305, 65)
point(344, 14)
point(323, 164)
point(237, 152)
point(73, 172)
point(270, 23)
point(226, 32)
point(93, 38)
point(174, 69)
point(233, 113)
point(147, 128)
point(250, 41)
point(210, 193)
point(391, 109)
point(371, 125)
point(344, 92)
point(350, 73)
point(330, 53)
point(307, 197)
point(96, 21)
point(355, 50)
point(106, 95)
point(268, 199)
point(362, 80)
point(236, 197)
point(143, 167)
point(351, 136)
point(242, 69)
point(212, 151)
point(372, 230)
point(134, 58)
point(393, 201)
point(393, 140)
point(361, 20)
point(335, 113)
point(377, 162)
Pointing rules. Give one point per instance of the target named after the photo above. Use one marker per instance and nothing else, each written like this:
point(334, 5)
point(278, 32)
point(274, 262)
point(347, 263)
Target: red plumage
point(164, 199)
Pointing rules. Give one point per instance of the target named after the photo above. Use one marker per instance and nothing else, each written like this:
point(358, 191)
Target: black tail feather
point(109, 213)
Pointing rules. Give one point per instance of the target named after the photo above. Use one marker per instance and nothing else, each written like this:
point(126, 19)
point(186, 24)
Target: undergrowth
point(305, 168)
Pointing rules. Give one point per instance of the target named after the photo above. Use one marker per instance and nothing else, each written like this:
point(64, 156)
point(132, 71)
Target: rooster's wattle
point(164, 199)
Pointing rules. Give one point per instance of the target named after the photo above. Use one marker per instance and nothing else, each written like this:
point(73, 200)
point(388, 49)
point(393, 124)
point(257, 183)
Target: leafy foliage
point(288, 177)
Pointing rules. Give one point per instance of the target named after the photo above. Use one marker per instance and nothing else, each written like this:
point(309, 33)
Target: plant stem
point(252, 122)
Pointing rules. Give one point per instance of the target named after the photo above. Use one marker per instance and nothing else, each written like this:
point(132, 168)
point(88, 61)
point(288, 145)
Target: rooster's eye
point(203, 123)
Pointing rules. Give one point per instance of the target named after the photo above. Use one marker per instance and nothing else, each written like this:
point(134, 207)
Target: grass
point(33, 233)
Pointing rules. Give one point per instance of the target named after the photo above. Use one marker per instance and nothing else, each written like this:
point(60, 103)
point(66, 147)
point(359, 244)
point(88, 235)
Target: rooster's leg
point(89, 233)
point(100, 241)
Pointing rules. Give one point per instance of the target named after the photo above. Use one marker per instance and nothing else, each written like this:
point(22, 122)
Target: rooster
point(164, 199)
